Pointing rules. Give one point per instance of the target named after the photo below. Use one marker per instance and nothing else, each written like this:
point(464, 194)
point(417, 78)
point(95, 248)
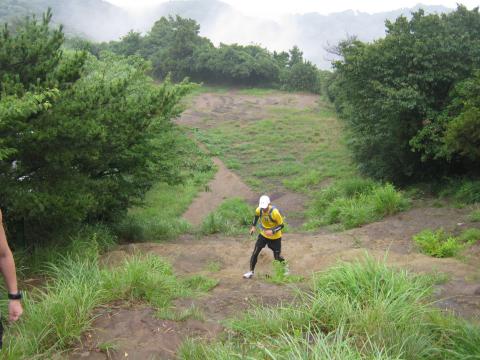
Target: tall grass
point(281, 275)
point(159, 218)
point(87, 242)
point(57, 314)
point(362, 310)
point(462, 190)
point(232, 217)
point(354, 202)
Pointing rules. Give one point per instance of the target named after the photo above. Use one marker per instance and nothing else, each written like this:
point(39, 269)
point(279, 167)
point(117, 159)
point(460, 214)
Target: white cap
point(264, 201)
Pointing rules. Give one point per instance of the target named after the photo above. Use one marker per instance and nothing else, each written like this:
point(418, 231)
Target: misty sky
point(273, 8)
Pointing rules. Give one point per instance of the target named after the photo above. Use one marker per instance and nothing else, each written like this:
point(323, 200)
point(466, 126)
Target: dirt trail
point(225, 185)
point(137, 334)
point(209, 110)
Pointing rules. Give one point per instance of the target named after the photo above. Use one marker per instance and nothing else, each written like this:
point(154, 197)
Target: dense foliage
point(175, 47)
point(411, 99)
point(81, 138)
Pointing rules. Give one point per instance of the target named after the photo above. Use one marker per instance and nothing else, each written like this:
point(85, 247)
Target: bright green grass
point(441, 244)
point(160, 216)
point(232, 217)
point(364, 310)
point(56, 315)
point(353, 202)
point(280, 276)
point(296, 149)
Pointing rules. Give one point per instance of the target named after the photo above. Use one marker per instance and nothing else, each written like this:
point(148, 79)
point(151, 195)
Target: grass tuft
point(441, 244)
point(355, 202)
point(475, 216)
point(56, 316)
point(280, 274)
point(231, 217)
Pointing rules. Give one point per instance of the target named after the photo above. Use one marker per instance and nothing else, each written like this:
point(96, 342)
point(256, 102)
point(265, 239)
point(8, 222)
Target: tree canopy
point(174, 47)
point(410, 99)
point(82, 138)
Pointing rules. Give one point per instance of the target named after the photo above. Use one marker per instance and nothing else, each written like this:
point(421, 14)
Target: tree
point(170, 46)
point(303, 76)
point(82, 138)
point(296, 56)
point(391, 91)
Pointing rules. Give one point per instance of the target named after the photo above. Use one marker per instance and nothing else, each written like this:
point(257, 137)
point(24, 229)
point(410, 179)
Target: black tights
point(274, 245)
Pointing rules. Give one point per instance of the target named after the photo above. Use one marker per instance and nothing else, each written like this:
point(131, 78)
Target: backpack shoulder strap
point(270, 213)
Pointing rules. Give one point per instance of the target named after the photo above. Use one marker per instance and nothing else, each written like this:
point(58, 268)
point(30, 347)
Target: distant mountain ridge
point(312, 32)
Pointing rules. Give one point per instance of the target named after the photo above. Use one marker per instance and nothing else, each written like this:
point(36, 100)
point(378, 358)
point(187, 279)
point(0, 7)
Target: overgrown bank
point(353, 311)
point(60, 311)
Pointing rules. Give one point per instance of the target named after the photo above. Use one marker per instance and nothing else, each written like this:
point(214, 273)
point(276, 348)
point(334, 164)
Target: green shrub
point(361, 310)
point(438, 243)
point(355, 202)
point(231, 217)
point(434, 112)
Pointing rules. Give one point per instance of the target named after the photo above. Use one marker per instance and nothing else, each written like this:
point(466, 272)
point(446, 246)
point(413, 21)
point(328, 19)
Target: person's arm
point(279, 220)
point(7, 268)
point(254, 222)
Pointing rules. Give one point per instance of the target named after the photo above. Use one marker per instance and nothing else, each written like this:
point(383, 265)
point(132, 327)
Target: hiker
point(7, 268)
point(271, 225)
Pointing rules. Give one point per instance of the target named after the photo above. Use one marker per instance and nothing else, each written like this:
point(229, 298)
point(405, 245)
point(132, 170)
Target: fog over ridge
point(100, 20)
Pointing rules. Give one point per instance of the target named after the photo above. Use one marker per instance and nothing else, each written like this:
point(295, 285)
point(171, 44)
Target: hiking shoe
point(248, 275)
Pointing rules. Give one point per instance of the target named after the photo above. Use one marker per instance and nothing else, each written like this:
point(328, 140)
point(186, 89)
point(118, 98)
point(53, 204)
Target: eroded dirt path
point(137, 334)
point(211, 109)
point(225, 185)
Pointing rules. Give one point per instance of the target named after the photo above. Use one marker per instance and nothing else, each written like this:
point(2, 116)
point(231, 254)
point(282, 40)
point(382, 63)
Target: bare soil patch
point(209, 109)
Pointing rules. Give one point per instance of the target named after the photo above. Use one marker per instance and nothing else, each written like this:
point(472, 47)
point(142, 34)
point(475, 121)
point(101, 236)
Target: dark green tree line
point(410, 99)
point(175, 47)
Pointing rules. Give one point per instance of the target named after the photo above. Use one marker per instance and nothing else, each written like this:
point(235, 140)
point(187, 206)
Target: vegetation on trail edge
point(57, 314)
point(232, 217)
point(354, 202)
point(353, 311)
point(159, 217)
point(441, 244)
point(299, 156)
